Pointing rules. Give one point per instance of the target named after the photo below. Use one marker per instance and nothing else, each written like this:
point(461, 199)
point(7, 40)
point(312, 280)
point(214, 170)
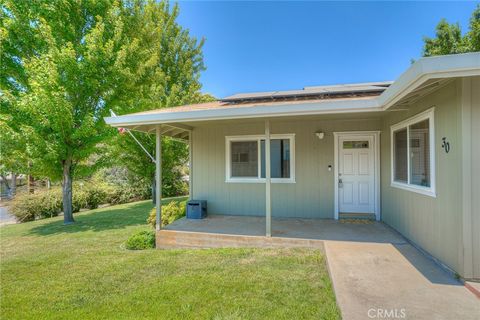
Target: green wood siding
point(312, 194)
point(475, 145)
point(433, 223)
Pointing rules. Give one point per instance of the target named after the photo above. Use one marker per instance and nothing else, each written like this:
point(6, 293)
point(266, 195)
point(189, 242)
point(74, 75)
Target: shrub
point(29, 207)
point(141, 240)
point(46, 204)
point(172, 211)
point(95, 196)
point(119, 194)
point(79, 200)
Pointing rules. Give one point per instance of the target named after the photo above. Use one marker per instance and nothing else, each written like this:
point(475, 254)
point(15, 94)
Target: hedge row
point(48, 204)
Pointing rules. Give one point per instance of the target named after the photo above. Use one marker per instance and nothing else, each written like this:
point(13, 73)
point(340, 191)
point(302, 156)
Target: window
point(413, 166)
point(355, 144)
point(400, 155)
point(279, 158)
point(245, 160)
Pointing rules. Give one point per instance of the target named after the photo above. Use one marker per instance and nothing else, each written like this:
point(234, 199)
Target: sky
point(268, 46)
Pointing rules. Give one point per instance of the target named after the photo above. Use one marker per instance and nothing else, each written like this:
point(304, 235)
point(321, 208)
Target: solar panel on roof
point(251, 95)
point(311, 91)
point(351, 85)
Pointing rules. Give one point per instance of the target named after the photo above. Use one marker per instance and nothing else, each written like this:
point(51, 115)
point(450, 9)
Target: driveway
point(394, 281)
point(5, 217)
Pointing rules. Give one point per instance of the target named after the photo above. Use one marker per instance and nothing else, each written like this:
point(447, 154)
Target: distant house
point(405, 152)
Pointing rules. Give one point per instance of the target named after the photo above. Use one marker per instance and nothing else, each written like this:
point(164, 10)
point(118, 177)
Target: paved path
point(395, 281)
point(5, 217)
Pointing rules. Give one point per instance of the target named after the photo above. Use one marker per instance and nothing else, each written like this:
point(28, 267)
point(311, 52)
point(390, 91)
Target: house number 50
point(445, 145)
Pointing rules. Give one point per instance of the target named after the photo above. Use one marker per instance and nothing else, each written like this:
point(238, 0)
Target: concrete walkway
point(394, 281)
point(376, 273)
point(5, 217)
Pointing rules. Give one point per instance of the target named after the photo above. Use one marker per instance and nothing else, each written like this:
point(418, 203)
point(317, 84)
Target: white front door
point(356, 173)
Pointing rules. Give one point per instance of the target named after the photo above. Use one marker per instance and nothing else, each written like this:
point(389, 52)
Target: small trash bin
point(196, 209)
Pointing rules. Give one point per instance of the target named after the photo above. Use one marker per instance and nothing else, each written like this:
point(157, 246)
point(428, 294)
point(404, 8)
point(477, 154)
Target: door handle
point(340, 183)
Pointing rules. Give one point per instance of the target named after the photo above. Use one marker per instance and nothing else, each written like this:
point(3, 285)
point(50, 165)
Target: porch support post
point(190, 165)
point(158, 177)
point(268, 199)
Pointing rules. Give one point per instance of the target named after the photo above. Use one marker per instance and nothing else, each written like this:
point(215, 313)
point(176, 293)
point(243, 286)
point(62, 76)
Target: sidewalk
point(395, 281)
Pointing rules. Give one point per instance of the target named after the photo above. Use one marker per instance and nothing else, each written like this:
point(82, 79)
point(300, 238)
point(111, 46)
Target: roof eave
point(259, 111)
point(451, 66)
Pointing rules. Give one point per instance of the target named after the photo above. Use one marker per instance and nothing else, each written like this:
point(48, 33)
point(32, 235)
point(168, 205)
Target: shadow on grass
point(116, 217)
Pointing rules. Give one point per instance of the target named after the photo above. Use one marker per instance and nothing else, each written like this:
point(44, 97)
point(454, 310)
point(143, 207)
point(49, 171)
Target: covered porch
point(218, 231)
point(323, 142)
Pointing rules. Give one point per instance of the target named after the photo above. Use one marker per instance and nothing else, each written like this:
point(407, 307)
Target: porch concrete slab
point(393, 281)
point(317, 229)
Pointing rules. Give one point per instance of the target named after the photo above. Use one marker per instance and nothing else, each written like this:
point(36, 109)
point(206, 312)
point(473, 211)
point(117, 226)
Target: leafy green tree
point(449, 38)
point(177, 62)
point(13, 159)
point(66, 63)
point(128, 153)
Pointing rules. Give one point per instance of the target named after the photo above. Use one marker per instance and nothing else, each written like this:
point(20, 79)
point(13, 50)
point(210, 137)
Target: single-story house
point(405, 152)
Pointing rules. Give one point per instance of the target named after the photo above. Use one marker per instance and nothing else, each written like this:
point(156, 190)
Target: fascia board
point(343, 106)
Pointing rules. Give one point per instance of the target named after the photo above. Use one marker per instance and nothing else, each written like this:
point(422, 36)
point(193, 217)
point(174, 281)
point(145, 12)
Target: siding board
point(312, 194)
point(475, 131)
point(433, 223)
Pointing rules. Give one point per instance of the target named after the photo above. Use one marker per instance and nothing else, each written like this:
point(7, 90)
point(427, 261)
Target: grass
point(83, 271)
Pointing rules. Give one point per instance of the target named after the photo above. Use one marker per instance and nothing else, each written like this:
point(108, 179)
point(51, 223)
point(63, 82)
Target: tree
point(13, 159)
point(449, 38)
point(69, 61)
point(128, 153)
point(178, 61)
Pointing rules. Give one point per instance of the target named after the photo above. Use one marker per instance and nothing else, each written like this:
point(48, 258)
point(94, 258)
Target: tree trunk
point(14, 183)
point(67, 192)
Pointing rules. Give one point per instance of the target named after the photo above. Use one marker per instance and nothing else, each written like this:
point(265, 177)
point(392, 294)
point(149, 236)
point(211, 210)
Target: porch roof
point(422, 77)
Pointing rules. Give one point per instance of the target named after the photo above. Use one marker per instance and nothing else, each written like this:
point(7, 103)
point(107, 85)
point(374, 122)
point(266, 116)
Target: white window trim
point(258, 138)
point(428, 191)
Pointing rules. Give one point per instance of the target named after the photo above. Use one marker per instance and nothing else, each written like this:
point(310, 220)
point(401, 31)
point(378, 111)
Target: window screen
point(400, 155)
point(420, 153)
point(244, 158)
point(279, 158)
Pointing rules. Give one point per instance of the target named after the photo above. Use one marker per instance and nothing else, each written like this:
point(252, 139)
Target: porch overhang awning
point(423, 77)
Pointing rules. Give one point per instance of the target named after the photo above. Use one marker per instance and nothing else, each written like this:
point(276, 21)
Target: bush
point(46, 204)
point(141, 240)
point(29, 207)
point(172, 211)
point(91, 196)
point(124, 193)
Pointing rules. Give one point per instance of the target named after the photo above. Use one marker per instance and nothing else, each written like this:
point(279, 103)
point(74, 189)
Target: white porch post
point(190, 165)
point(158, 177)
point(268, 199)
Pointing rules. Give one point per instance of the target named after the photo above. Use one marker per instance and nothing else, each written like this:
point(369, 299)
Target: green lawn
point(82, 271)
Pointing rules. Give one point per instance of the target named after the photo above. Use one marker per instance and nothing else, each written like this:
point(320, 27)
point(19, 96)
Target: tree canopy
point(449, 38)
point(66, 63)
